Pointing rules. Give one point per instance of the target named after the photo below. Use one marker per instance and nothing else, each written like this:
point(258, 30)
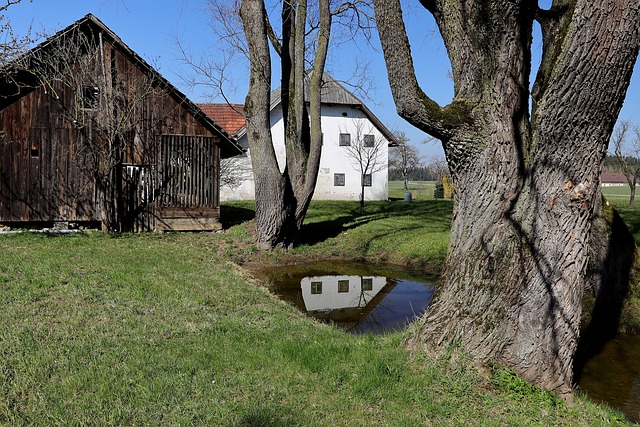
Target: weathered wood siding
point(40, 176)
point(45, 168)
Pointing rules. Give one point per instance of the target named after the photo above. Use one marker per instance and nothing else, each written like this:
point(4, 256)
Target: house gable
point(342, 113)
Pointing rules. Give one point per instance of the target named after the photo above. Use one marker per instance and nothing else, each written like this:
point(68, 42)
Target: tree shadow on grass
point(231, 215)
point(317, 232)
point(611, 271)
point(632, 218)
point(264, 417)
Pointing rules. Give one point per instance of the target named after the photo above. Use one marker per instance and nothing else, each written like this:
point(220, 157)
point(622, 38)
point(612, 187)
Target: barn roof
point(13, 82)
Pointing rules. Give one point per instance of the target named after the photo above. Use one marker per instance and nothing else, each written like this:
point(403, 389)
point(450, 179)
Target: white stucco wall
point(329, 296)
point(335, 159)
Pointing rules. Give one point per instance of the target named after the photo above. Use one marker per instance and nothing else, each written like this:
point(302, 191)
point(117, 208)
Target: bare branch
point(9, 3)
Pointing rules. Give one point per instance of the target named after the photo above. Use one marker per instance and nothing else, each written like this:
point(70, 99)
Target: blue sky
point(150, 27)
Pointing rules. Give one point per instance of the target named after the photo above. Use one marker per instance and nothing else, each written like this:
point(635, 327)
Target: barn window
point(35, 151)
point(367, 284)
point(189, 171)
point(338, 180)
point(90, 97)
point(366, 180)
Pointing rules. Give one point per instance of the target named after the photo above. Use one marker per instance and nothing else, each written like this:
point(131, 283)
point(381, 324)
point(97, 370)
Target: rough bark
point(282, 199)
point(526, 185)
point(273, 212)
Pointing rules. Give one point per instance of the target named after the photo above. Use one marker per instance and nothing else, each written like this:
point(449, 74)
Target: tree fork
point(526, 188)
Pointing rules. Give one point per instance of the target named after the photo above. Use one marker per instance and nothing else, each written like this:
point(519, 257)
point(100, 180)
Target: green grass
point(420, 190)
point(618, 197)
point(167, 330)
point(415, 234)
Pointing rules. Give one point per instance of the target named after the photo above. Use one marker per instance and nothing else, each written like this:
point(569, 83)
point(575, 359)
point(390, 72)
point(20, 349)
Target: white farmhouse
point(349, 130)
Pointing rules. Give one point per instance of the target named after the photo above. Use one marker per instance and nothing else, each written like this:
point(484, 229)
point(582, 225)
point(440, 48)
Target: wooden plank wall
point(40, 177)
point(189, 171)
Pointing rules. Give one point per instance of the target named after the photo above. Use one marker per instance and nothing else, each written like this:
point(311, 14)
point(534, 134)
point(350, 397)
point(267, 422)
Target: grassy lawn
point(619, 198)
point(420, 190)
point(168, 330)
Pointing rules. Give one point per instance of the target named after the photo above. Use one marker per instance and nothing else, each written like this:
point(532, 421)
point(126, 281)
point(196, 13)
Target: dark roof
point(89, 24)
point(229, 116)
point(333, 93)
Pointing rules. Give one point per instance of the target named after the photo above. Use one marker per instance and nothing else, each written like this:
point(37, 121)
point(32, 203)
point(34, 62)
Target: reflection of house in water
point(346, 301)
point(373, 302)
point(340, 292)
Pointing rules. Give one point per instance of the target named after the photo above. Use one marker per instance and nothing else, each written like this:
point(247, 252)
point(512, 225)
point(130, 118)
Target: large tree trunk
point(282, 199)
point(275, 223)
point(525, 186)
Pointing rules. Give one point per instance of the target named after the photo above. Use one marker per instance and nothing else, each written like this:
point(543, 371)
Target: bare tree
point(296, 35)
point(627, 154)
point(438, 167)
point(404, 158)
point(367, 155)
point(11, 44)
point(526, 180)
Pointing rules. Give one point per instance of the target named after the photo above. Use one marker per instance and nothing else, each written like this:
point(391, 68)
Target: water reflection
point(369, 302)
point(613, 376)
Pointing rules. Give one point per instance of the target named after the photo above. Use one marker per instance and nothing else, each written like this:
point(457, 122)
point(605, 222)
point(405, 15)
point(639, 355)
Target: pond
point(361, 298)
point(356, 297)
point(613, 376)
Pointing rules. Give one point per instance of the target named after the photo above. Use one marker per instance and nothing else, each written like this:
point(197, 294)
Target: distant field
point(622, 191)
point(423, 190)
point(420, 190)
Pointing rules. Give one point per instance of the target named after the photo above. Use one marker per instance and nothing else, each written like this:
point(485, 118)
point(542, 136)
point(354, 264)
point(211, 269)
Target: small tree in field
point(627, 154)
point(368, 155)
point(404, 158)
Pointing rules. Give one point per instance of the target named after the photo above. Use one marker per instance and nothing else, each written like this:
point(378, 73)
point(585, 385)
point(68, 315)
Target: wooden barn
point(92, 135)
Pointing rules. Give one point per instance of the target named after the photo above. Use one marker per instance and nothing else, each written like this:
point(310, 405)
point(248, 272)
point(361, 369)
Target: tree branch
point(9, 3)
point(411, 102)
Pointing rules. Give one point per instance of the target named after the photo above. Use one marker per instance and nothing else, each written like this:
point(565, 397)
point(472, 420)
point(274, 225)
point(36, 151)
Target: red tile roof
point(229, 116)
point(613, 178)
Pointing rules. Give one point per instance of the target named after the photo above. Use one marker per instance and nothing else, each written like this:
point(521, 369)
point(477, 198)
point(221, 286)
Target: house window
point(90, 97)
point(338, 180)
point(366, 180)
point(345, 140)
point(367, 284)
point(369, 141)
point(343, 286)
point(316, 288)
